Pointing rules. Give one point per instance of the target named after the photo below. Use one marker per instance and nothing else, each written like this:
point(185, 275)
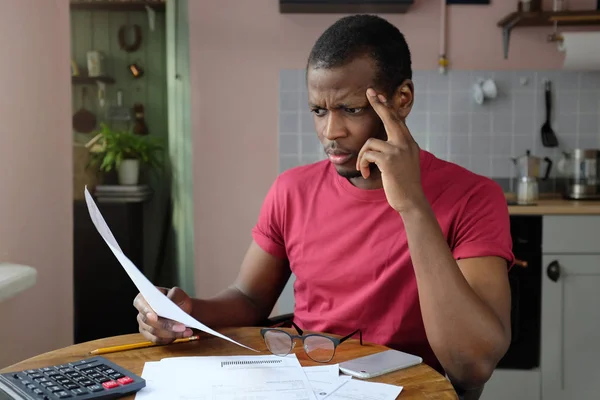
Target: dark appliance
point(526, 293)
point(344, 6)
point(103, 292)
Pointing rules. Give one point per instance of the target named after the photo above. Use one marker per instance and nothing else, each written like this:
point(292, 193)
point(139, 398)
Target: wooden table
point(419, 382)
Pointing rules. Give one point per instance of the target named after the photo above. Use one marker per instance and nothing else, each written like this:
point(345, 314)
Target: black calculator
point(92, 378)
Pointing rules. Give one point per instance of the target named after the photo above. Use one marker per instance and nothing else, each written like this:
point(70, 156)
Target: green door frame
point(180, 141)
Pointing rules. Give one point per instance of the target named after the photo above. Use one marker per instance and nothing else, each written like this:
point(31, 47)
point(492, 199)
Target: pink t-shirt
point(349, 252)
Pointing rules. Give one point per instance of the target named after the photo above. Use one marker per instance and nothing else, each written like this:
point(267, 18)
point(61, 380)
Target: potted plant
point(124, 152)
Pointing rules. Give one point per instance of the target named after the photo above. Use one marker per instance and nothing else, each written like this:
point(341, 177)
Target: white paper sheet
point(226, 378)
point(362, 390)
point(157, 387)
point(161, 304)
point(325, 379)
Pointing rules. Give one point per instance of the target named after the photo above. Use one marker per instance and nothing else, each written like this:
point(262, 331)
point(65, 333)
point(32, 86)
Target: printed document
point(226, 378)
point(160, 303)
point(325, 379)
point(362, 390)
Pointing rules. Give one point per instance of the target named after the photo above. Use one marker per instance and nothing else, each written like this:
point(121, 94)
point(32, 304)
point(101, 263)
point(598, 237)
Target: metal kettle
point(530, 166)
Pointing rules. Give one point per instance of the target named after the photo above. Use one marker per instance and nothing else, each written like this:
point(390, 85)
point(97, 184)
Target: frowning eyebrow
point(343, 105)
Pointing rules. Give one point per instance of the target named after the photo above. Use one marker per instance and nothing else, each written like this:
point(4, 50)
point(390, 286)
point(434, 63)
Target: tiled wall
point(446, 120)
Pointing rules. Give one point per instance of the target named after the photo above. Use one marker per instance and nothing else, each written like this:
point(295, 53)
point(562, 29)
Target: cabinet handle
point(553, 271)
point(521, 263)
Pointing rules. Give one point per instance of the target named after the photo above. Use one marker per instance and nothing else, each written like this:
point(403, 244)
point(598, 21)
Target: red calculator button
point(124, 380)
point(110, 384)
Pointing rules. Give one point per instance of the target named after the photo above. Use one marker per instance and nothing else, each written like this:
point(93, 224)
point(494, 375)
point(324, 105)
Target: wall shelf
point(87, 80)
point(123, 6)
point(545, 18)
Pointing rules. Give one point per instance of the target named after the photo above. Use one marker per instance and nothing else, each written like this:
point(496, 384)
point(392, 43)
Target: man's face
point(344, 120)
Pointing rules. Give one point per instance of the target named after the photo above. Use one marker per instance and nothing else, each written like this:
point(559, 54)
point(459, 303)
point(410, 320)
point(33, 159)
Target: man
point(382, 236)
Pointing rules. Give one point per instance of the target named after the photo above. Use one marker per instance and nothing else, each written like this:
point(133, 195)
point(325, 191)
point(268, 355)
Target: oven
point(526, 293)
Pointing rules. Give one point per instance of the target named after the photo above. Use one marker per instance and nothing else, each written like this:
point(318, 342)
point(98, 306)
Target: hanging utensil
point(548, 136)
point(118, 112)
point(84, 121)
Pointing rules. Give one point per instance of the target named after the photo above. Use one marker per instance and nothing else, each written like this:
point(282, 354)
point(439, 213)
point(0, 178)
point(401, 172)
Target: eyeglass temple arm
point(300, 332)
point(352, 334)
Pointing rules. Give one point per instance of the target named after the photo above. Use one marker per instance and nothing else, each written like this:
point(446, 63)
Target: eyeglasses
point(318, 347)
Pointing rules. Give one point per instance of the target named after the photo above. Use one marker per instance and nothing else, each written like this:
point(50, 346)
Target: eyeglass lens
point(318, 348)
point(279, 343)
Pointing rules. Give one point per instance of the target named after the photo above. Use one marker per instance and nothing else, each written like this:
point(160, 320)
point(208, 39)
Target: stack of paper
point(253, 377)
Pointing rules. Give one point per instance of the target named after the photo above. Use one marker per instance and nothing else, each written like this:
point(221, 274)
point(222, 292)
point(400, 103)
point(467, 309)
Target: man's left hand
point(398, 158)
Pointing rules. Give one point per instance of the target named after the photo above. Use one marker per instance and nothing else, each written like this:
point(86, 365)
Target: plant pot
point(129, 172)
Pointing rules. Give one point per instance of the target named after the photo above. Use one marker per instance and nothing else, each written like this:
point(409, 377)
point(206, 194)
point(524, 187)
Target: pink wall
point(237, 49)
point(36, 175)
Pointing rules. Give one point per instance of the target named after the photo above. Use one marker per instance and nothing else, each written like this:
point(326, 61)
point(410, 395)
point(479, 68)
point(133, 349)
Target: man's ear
point(404, 98)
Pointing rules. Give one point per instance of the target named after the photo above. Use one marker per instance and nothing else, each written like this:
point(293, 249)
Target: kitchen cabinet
point(570, 317)
point(513, 384)
point(570, 308)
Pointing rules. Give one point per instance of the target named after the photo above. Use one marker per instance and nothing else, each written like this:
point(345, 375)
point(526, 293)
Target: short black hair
point(358, 35)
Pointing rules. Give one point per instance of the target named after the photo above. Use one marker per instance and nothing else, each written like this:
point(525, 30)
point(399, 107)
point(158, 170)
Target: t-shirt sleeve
point(268, 231)
point(483, 227)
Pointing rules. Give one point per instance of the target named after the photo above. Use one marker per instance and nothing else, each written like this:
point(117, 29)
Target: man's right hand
point(161, 330)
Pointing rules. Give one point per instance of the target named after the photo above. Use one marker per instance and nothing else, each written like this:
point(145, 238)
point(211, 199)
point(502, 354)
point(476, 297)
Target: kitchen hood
point(344, 6)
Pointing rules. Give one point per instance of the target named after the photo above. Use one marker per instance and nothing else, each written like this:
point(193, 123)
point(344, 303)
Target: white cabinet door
point(570, 353)
point(513, 384)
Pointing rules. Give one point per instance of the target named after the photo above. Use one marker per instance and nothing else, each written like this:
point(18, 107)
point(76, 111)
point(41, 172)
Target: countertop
point(15, 278)
point(554, 204)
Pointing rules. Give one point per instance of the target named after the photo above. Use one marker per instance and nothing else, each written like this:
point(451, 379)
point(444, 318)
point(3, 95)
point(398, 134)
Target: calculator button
point(30, 371)
point(54, 389)
point(79, 392)
point(70, 386)
point(47, 369)
point(110, 371)
point(79, 378)
point(38, 392)
point(42, 380)
point(36, 376)
point(87, 382)
point(84, 367)
point(95, 375)
point(102, 367)
point(31, 387)
point(125, 380)
point(95, 388)
point(62, 395)
point(63, 381)
point(54, 374)
point(102, 379)
point(47, 384)
point(110, 384)
point(116, 376)
point(25, 382)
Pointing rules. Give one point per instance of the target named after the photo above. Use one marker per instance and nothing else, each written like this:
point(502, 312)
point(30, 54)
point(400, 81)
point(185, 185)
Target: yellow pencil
point(113, 349)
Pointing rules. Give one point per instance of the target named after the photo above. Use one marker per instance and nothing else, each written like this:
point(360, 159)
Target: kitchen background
point(447, 121)
point(98, 30)
point(245, 108)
